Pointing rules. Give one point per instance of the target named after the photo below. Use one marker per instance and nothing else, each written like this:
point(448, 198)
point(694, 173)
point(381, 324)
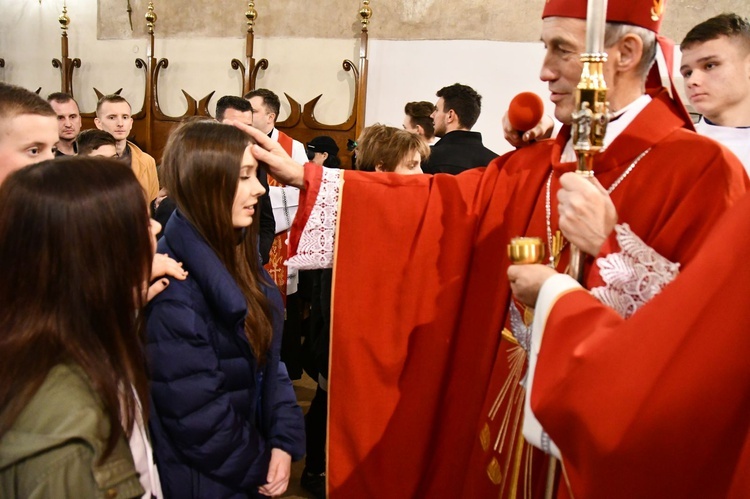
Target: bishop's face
point(564, 41)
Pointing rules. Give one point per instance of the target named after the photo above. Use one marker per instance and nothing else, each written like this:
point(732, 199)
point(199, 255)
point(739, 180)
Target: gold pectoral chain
point(555, 243)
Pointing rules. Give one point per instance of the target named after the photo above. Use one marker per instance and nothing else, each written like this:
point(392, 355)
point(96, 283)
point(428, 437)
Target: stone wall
point(500, 20)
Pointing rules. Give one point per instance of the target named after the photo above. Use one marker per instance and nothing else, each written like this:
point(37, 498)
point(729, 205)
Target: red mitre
point(647, 14)
point(644, 13)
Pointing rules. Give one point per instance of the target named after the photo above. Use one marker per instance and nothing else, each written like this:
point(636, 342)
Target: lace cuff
point(632, 276)
point(315, 249)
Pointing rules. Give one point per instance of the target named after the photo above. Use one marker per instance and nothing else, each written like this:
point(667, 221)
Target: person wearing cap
point(418, 348)
point(323, 150)
point(716, 71)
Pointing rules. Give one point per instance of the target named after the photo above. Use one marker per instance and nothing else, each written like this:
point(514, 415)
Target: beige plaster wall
point(501, 20)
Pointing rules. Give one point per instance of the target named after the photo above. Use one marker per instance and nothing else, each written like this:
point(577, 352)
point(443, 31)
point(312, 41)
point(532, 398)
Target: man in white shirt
point(284, 201)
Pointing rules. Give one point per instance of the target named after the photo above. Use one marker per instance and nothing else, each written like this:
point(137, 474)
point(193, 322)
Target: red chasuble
point(658, 405)
point(278, 253)
point(418, 363)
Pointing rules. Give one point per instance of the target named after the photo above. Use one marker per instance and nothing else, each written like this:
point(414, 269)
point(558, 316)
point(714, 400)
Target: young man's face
point(409, 124)
point(24, 140)
point(440, 118)
point(263, 120)
point(68, 119)
point(717, 78)
point(114, 117)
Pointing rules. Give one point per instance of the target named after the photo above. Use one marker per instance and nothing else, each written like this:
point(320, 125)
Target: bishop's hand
point(266, 150)
point(587, 214)
point(527, 280)
point(521, 138)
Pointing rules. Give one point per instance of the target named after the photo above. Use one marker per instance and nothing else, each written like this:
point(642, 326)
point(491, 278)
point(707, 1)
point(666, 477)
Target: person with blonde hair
point(384, 148)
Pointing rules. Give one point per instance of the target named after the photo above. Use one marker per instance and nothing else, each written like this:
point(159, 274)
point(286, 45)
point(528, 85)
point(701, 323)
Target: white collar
point(620, 121)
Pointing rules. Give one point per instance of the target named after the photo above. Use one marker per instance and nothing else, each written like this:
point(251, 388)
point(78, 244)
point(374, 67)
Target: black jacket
point(457, 151)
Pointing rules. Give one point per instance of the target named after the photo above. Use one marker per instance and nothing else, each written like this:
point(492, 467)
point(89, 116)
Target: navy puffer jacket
point(212, 428)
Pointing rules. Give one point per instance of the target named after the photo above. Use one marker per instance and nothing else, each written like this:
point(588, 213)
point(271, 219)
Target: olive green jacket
point(54, 447)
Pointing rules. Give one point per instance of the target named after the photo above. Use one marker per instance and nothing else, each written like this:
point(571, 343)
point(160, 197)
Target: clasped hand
point(587, 214)
point(527, 280)
point(587, 218)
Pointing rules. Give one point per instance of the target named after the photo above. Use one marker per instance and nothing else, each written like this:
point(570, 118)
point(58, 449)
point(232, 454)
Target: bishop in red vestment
point(424, 393)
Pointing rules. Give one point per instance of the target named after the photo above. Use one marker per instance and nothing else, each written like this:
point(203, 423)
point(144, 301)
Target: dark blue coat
point(212, 429)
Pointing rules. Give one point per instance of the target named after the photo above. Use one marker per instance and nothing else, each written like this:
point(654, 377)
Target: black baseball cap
point(323, 143)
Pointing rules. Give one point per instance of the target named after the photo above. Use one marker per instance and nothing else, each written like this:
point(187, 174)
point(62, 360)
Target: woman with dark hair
point(225, 419)
point(73, 387)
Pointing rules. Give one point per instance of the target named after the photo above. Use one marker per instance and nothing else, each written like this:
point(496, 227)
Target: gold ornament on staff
point(64, 20)
point(65, 64)
point(365, 13)
point(251, 15)
point(591, 116)
point(150, 18)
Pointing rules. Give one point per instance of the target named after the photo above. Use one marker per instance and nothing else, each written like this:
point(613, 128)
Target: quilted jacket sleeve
point(288, 428)
point(192, 406)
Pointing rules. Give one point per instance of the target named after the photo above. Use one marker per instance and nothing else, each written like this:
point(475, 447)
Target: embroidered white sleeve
point(315, 250)
point(633, 276)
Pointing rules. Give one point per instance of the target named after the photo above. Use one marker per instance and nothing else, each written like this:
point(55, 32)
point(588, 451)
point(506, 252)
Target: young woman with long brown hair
point(225, 419)
point(75, 255)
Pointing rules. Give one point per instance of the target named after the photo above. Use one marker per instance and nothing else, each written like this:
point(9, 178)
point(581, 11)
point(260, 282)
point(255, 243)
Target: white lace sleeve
point(633, 276)
point(315, 250)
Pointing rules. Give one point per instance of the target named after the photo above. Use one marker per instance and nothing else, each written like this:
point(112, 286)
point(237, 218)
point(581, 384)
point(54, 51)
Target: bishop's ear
point(629, 52)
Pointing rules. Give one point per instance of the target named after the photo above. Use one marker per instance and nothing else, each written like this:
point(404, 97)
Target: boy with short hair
point(113, 116)
point(716, 69)
point(28, 129)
